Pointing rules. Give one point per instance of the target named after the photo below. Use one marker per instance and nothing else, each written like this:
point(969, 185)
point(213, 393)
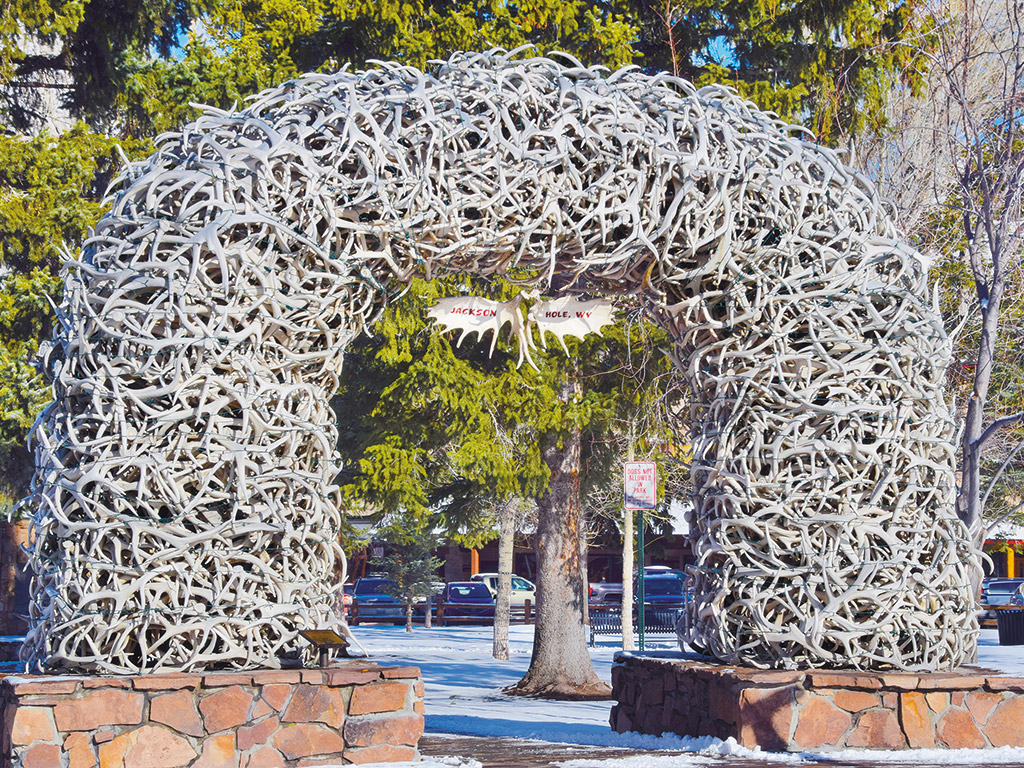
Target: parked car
point(605, 593)
point(610, 592)
point(465, 600)
point(346, 597)
point(522, 590)
point(1017, 599)
point(996, 591)
point(372, 601)
point(666, 589)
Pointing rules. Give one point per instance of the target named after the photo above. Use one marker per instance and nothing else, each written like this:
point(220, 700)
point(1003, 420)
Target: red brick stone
point(260, 709)
point(306, 740)
point(820, 724)
point(107, 706)
point(844, 680)
point(276, 695)
point(52, 687)
point(957, 730)
point(384, 753)
point(877, 729)
point(766, 717)
point(349, 676)
point(855, 701)
point(41, 701)
point(32, 724)
point(226, 708)
point(171, 682)
point(79, 749)
point(723, 704)
point(260, 733)
point(218, 752)
point(379, 697)
point(981, 704)
point(957, 698)
point(391, 673)
point(417, 707)
point(313, 676)
point(103, 735)
point(916, 720)
point(269, 676)
point(768, 677)
point(890, 699)
point(900, 681)
point(41, 756)
point(226, 679)
point(150, 746)
point(417, 688)
point(936, 681)
point(178, 710)
point(389, 730)
point(309, 762)
point(937, 701)
point(311, 704)
point(1005, 684)
point(107, 682)
point(1005, 726)
point(267, 757)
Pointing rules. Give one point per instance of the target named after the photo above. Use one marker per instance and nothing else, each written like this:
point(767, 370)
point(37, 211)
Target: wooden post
point(1010, 562)
point(474, 561)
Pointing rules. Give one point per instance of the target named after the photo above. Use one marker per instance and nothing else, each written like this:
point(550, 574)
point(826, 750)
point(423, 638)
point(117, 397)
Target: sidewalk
point(496, 752)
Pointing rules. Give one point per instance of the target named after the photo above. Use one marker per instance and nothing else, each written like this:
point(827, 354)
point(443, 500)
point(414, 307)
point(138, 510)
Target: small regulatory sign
point(640, 484)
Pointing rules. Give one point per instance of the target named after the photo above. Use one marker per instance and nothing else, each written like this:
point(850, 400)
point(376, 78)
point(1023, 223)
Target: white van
point(522, 590)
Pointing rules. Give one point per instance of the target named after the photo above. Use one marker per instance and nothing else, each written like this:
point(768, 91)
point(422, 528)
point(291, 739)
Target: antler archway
point(183, 498)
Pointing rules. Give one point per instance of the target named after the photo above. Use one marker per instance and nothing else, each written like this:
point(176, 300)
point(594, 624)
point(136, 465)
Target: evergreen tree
point(825, 65)
point(50, 193)
point(411, 565)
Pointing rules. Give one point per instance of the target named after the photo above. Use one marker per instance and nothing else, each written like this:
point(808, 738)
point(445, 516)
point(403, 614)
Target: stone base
point(347, 713)
point(816, 710)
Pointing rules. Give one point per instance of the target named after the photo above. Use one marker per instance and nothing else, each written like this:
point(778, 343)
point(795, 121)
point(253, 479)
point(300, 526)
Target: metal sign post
point(640, 580)
point(640, 491)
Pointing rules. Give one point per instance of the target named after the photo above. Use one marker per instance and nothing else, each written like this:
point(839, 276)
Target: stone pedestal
point(817, 710)
point(347, 713)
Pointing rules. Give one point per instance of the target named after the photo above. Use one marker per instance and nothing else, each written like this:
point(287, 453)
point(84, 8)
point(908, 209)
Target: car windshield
point(372, 586)
point(1003, 586)
point(663, 586)
point(521, 584)
point(475, 589)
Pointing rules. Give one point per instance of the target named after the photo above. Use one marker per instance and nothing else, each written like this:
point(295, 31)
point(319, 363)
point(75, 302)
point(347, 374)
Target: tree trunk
point(968, 503)
point(560, 667)
point(506, 540)
point(429, 609)
point(584, 573)
point(408, 615)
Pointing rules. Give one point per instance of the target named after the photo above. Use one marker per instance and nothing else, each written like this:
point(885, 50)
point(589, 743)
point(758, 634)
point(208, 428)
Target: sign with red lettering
point(568, 316)
point(640, 484)
point(473, 314)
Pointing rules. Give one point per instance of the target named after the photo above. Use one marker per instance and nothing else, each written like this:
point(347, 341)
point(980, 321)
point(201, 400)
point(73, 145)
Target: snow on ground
point(463, 696)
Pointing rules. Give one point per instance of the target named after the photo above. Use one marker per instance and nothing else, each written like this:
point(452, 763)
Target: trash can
point(1010, 622)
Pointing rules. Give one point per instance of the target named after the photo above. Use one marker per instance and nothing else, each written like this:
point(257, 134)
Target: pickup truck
point(606, 593)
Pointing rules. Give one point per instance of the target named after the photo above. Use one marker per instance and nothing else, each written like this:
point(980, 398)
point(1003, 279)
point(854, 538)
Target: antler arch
point(187, 459)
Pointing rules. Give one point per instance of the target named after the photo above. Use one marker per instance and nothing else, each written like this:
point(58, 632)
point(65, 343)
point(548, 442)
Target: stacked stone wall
point(819, 710)
point(353, 713)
